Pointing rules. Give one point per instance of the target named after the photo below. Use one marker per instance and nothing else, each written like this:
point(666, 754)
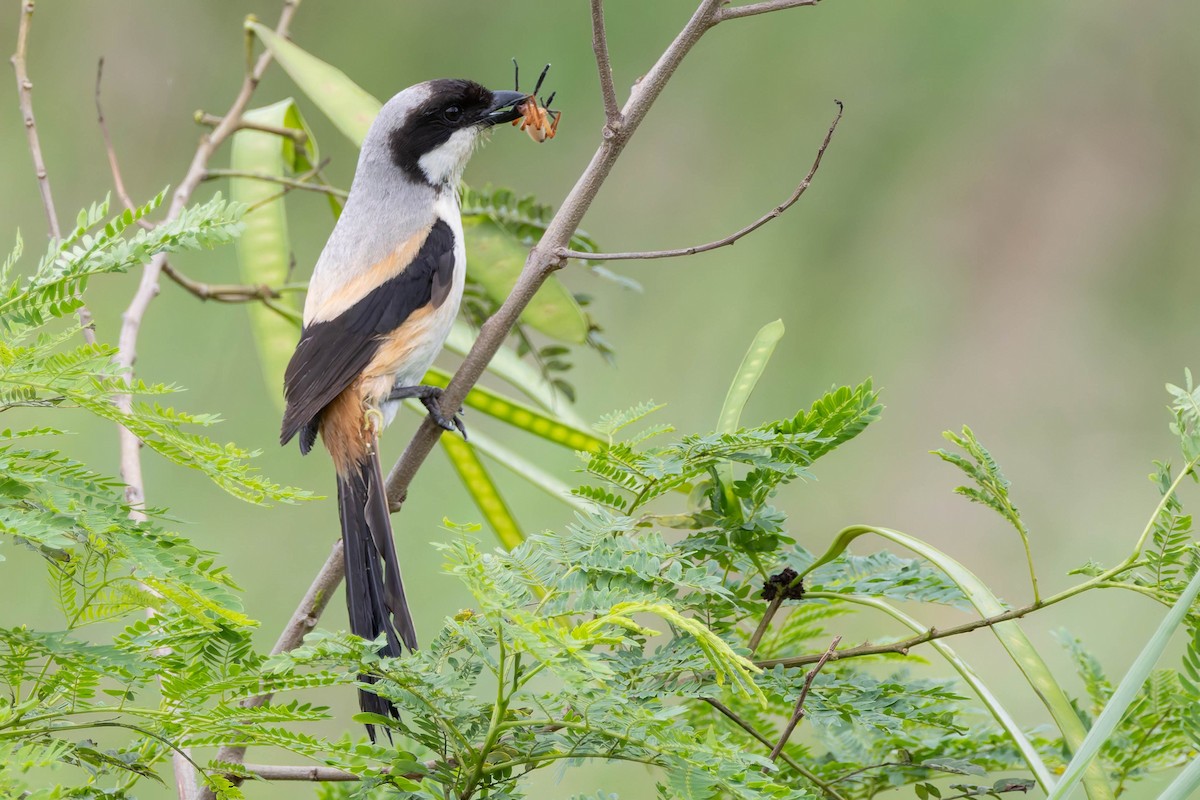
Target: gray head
point(429, 130)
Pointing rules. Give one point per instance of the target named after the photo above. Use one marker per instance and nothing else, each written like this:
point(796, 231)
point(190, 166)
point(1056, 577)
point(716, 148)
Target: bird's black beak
point(504, 107)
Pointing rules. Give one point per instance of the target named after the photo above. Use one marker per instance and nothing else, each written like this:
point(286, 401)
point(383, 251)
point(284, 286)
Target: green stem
point(499, 708)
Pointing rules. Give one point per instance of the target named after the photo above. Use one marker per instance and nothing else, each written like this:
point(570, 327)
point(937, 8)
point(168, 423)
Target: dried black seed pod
point(785, 582)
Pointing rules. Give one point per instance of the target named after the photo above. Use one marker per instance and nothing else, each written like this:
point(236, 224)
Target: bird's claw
point(430, 397)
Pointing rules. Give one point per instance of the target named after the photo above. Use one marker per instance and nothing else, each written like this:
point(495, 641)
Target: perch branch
point(612, 110)
point(737, 12)
point(25, 100)
point(765, 622)
point(733, 237)
point(798, 713)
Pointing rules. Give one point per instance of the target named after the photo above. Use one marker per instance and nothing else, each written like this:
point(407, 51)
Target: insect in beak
point(536, 118)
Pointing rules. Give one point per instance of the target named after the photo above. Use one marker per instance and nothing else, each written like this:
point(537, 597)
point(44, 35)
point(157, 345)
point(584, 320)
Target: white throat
point(444, 166)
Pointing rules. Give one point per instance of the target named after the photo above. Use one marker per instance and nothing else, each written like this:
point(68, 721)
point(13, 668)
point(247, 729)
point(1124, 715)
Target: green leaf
point(264, 249)
point(349, 107)
point(495, 260)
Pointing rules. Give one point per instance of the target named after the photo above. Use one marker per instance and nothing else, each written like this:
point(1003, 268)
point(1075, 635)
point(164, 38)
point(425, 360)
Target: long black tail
point(374, 590)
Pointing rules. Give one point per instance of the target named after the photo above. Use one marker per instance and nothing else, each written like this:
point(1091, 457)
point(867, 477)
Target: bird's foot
point(430, 397)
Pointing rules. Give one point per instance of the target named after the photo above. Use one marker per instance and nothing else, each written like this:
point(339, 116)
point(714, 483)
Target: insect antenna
point(516, 75)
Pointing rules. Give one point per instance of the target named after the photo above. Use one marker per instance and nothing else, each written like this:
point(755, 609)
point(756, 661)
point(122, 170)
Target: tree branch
point(798, 713)
point(25, 101)
point(737, 12)
point(733, 237)
point(612, 111)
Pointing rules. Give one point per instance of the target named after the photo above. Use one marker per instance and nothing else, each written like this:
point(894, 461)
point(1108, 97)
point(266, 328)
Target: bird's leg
point(430, 397)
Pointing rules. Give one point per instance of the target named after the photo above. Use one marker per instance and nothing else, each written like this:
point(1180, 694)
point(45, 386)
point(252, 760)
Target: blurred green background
point(1003, 233)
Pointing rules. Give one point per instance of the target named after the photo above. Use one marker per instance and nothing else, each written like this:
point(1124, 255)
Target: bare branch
point(25, 95)
point(798, 713)
point(737, 719)
point(612, 111)
point(733, 237)
point(25, 100)
point(292, 183)
point(737, 12)
point(212, 121)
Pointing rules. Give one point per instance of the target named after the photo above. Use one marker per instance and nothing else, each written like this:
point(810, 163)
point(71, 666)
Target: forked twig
point(733, 237)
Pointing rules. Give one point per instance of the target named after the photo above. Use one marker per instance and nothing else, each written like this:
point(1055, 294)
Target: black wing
point(333, 353)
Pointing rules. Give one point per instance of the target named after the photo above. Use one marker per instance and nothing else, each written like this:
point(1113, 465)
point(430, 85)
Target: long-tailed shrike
point(383, 296)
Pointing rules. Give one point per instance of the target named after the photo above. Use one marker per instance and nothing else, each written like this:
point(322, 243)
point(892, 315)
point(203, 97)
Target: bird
point(383, 296)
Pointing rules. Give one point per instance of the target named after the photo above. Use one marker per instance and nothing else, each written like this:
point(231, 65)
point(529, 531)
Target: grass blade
point(1127, 690)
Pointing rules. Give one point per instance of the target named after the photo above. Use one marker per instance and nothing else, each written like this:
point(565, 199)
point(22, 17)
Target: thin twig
point(25, 100)
point(808, 774)
point(293, 183)
point(295, 134)
point(737, 12)
point(564, 252)
point(279, 772)
point(114, 165)
point(798, 713)
point(612, 111)
point(302, 177)
point(904, 645)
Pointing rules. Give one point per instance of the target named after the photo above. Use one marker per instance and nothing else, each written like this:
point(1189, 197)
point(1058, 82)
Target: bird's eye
point(452, 114)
